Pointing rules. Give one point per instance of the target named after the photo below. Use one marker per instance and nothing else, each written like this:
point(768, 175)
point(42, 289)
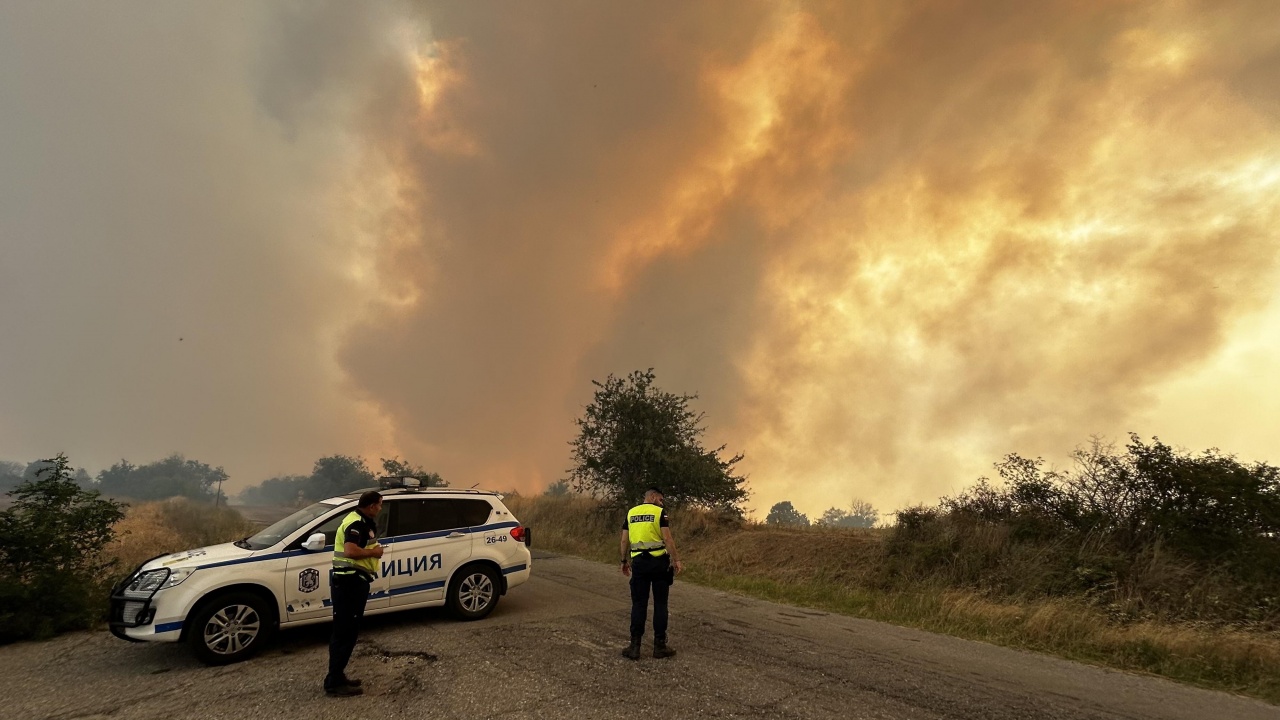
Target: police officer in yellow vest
point(648, 554)
point(355, 567)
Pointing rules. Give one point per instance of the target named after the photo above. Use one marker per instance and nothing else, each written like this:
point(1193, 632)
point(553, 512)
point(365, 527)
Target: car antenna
point(473, 487)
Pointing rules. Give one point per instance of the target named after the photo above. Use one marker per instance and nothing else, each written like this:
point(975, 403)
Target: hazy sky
point(885, 242)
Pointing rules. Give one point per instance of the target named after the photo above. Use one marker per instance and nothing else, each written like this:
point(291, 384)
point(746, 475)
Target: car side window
point(329, 528)
point(417, 516)
point(474, 512)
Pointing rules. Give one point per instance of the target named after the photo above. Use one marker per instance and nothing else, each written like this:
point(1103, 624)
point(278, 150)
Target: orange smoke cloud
point(885, 246)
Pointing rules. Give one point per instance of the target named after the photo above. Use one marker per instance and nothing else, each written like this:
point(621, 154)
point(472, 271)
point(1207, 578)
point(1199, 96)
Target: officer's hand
point(377, 551)
point(679, 566)
point(626, 570)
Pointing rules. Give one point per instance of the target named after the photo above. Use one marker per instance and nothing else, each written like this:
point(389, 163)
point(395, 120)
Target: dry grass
point(156, 528)
point(844, 570)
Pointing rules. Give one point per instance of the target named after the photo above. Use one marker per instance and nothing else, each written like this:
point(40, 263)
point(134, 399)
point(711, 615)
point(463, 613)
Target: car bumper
point(517, 572)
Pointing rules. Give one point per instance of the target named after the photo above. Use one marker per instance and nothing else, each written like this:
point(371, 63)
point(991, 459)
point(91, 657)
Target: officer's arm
point(670, 541)
point(625, 549)
point(355, 552)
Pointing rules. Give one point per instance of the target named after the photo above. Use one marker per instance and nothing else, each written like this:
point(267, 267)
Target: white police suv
point(443, 546)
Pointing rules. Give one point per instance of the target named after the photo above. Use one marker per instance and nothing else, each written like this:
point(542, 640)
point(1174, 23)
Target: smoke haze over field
point(886, 243)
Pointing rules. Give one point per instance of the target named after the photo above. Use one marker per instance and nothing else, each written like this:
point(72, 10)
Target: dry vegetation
point(157, 528)
point(854, 572)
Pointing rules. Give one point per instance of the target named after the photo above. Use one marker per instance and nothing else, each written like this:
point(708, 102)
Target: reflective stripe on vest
point(368, 565)
point(644, 530)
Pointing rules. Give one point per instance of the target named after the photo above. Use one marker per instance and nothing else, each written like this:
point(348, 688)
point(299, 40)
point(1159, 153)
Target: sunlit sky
point(885, 243)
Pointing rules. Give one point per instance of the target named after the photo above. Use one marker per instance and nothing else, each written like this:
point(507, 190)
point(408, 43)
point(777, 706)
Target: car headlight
point(146, 584)
point(177, 576)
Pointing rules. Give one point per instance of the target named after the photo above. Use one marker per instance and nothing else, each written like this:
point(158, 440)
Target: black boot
point(660, 649)
point(633, 650)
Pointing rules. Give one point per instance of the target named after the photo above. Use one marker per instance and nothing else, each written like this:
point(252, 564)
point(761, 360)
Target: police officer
point(355, 567)
point(648, 552)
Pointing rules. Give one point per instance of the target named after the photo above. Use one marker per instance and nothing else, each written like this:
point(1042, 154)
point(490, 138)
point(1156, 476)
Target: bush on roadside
point(53, 571)
point(1149, 530)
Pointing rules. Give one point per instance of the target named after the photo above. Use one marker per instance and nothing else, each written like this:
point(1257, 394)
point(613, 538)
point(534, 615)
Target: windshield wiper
point(243, 543)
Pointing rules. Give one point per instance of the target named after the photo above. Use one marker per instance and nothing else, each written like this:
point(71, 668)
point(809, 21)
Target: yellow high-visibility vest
point(367, 565)
point(644, 530)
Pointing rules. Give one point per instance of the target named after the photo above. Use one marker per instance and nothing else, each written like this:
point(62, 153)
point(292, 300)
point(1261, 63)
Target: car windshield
point(283, 528)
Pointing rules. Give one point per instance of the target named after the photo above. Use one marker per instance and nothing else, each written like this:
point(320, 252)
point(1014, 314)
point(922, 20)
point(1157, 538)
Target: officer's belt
point(355, 572)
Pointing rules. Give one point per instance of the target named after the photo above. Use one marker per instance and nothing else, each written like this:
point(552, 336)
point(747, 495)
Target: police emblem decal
point(309, 580)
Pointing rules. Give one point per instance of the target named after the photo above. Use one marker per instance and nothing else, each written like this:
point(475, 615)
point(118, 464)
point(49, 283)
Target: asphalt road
point(551, 650)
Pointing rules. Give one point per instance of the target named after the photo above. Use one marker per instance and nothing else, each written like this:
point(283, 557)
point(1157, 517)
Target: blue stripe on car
point(417, 588)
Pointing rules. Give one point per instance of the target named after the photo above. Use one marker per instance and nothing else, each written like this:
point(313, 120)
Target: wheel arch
point(262, 591)
point(483, 561)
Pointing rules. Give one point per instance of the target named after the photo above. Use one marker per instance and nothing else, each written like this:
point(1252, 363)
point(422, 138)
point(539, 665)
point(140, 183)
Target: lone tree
point(784, 513)
point(634, 435)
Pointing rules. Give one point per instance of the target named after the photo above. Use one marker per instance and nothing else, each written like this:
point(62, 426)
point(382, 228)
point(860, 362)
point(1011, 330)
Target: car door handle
point(456, 534)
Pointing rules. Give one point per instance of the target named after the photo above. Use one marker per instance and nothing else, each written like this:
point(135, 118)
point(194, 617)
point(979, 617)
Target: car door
point(306, 585)
point(430, 540)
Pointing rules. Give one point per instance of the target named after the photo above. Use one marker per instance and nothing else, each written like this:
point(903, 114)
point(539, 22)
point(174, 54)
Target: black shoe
point(632, 652)
point(343, 691)
point(351, 682)
point(660, 650)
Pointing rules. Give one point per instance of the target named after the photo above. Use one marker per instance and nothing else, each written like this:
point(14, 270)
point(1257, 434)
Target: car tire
point(474, 592)
point(230, 628)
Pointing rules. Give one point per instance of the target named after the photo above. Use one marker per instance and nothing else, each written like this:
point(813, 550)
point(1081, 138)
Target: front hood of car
point(199, 557)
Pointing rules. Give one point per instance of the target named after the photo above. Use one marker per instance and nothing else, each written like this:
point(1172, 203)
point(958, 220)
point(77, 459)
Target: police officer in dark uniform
point(355, 566)
point(648, 555)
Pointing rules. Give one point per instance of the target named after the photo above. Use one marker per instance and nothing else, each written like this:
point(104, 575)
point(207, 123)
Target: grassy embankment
point(850, 571)
point(156, 528)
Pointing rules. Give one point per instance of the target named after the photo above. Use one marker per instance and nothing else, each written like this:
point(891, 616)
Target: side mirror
point(314, 543)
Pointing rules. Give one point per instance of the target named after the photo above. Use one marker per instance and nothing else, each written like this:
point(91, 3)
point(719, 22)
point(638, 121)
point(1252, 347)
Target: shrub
point(53, 571)
point(1149, 530)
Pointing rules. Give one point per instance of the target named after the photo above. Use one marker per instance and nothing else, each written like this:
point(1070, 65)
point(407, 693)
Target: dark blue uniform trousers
point(349, 593)
point(650, 572)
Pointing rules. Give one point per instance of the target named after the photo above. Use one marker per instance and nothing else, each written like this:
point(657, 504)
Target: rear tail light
point(521, 534)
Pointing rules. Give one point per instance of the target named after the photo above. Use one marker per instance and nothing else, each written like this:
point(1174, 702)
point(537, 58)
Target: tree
point(172, 476)
point(10, 475)
point(833, 517)
point(559, 489)
point(860, 515)
point(634, 435)
point(863, 514)
point(338, 474)
point(395, 467)
point(784, 513)
point(52, 566)
point(281, 490)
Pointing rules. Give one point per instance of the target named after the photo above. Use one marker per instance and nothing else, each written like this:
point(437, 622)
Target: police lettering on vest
point(644, 525)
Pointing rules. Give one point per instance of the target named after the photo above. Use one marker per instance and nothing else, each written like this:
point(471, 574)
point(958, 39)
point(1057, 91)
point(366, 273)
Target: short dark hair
point(372, 497)
point(653, 489)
